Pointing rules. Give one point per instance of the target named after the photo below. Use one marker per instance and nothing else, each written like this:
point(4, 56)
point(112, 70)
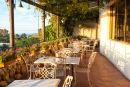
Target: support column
point(11, 10)
point(125, 18)
point(97, 28)
point(43, 25)
point(57, 33)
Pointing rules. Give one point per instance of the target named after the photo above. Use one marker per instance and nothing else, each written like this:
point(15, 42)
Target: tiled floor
point(103, 74)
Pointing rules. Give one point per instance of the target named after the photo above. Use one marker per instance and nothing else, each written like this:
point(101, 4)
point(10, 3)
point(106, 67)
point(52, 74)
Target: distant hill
point(35, 35)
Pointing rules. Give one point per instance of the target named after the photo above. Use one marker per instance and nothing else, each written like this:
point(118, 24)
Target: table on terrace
point(69, 60)
point(35, 83)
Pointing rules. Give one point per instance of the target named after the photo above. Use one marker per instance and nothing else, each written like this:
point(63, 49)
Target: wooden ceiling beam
point(31, 2)
point(39, 6)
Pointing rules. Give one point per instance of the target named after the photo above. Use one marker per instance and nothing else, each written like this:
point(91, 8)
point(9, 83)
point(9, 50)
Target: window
point(121, 20)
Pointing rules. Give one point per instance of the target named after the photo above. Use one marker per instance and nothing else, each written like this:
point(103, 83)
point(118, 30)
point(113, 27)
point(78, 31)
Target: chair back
point(92, 47)
point(91, 59)
point(61, 66)
point(28, 58)
point(75, 45)
point(55, 49)
point(61, 46)
point(68, 53)
point(68, 81)
point(45, 70)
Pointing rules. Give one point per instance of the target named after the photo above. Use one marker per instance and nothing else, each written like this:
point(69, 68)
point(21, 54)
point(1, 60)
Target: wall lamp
point(20, 5)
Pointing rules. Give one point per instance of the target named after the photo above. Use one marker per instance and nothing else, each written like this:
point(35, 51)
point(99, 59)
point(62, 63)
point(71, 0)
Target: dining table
point(75, 51)
point(68, 61)
point(35, 83)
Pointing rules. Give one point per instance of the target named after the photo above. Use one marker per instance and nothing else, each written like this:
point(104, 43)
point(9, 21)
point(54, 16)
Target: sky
point(25, 20)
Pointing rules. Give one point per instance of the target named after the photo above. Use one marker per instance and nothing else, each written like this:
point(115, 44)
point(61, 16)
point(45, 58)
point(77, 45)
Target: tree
point(23, 36)
point(4, 36)
point(17, 37)
point(27, 41)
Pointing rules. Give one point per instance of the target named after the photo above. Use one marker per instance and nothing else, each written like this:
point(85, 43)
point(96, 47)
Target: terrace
point(103, 72)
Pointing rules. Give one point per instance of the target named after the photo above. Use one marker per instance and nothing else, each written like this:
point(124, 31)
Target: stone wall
point(17, 69)
point(12, 72)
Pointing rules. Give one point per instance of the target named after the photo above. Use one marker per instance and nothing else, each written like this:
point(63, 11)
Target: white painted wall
point(89, 29)
point(116, 51)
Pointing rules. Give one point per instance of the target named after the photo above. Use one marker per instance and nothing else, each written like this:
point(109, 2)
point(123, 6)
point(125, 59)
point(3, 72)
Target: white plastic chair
point(68, 81)
point(85, 69)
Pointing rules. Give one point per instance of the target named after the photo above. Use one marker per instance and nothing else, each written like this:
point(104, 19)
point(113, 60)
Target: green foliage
point(51, 42)
point(17, 37)
point(23, 36)
point(50, 32)
point(7, 55)
point(4, 47)
point(34, 47)
point(57, 42)
point(4, 36)
point(68, 26)
point(26, 42)
point(70, 12)
point(68, 8)
point(53, 20)
point(45, 45)
point(19, 51)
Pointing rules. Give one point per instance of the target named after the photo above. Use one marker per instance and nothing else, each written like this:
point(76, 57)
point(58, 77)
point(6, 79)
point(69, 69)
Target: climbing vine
point(71, 11)
point(50, 33)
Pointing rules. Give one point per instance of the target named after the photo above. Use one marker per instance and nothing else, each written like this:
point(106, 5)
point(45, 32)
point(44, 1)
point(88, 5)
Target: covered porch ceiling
point(67, 8)
point(62, 8)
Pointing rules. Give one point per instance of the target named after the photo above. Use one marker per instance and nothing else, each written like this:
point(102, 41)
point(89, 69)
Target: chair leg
point(75, 79)
point(89, 79)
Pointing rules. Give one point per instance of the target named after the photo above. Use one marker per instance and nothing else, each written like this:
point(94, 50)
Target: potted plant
point(1, 60)
point(34, 48)
point(18, 52)
point(7, 57)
